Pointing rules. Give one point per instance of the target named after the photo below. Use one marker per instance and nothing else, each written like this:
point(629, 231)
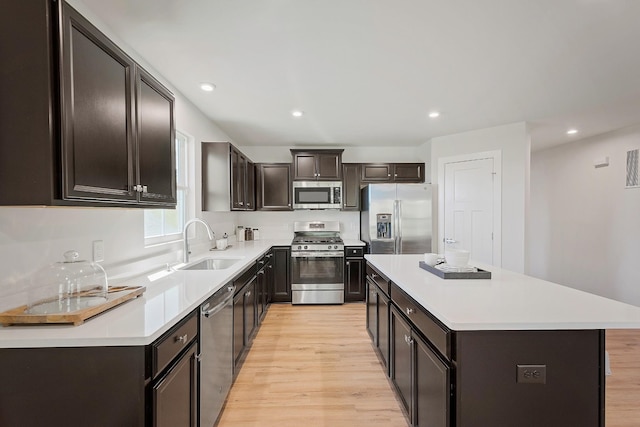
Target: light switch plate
point(98, 251)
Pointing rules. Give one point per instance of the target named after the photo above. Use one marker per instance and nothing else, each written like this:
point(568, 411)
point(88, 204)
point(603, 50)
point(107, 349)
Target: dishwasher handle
point(211, 311)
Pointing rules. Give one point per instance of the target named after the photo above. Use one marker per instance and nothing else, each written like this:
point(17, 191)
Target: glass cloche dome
point(67, 286)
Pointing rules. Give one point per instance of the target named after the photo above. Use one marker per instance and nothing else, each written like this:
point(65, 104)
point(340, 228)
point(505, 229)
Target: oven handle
point(301, 254)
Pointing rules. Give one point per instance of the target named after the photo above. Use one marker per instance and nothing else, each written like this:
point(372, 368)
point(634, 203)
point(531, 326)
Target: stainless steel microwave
point(317, 195)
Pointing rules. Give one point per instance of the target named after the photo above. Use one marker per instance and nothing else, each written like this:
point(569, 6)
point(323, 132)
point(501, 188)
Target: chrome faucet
point(185, 255)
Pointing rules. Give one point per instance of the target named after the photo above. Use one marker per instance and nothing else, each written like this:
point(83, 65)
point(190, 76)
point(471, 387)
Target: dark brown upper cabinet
point(392, 172)
point(350, 186)
point(156, 140)
point(273, 186)
point(81, 120)
point(317, 165)
point(228, 178)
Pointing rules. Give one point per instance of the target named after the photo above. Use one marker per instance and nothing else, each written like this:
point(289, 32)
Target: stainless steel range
point(317, 263)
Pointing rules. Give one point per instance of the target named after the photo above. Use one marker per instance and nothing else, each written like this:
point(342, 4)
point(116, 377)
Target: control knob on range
point(299, 247)
point(329, 247)
point(306, 247)
point(335, 247)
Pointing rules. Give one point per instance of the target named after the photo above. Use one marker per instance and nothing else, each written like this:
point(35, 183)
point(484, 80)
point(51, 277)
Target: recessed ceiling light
point(434, 114)
point(207, 87)
point(572, 131)
point(297, 113)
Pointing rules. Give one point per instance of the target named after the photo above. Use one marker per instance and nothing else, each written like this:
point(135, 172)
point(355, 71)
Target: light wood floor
point(314, 366)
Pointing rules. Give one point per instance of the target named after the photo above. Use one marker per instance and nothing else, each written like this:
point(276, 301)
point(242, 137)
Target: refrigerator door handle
point(399, 228)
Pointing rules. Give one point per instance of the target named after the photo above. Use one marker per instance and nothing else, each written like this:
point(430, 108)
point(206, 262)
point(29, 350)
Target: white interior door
point(469, 209)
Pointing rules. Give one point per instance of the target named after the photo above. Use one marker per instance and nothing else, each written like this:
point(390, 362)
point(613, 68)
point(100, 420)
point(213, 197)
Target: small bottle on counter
point(256, 234)
point(248, 233)
point(225, 237)
point(240, 233)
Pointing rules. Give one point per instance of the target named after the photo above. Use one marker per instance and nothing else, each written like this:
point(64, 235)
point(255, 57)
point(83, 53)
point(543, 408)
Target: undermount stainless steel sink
point(213, 264)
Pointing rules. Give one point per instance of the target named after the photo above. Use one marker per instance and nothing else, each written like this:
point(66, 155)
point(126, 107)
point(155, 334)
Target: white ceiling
point(367, 72)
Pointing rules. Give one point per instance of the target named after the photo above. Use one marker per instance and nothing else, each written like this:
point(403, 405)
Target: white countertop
point(509, 301)
point(169, 297)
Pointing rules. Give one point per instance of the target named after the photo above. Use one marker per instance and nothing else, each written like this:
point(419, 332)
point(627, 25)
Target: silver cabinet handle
point(449, 240)
point(408, 340)
point(144, 189)
point(248, 294)
point(241, 203)
point(410, 310)
point(374, 275)
point(261, 272)
point(181, 339)
point(347, 262)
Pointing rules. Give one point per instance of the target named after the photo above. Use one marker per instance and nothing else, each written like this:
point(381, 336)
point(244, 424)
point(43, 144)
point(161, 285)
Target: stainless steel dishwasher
point(216, 354)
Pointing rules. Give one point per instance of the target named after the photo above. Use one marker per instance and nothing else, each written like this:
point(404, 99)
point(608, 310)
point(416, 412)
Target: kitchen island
point(509, 351)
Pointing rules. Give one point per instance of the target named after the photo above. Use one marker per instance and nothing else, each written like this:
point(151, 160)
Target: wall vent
point(633, 179)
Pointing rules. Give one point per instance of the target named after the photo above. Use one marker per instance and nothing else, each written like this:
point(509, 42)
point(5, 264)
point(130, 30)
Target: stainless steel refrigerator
point(396, 218)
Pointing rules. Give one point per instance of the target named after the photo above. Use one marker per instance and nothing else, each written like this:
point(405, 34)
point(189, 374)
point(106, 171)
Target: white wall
point(34, 237)
point(585, 226)
point(362, 154)
point(513, 141)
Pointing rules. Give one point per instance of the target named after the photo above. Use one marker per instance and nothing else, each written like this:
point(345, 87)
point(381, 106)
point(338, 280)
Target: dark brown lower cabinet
point(401, 360)
point(383, 329)
point(238, 329)
point(372, 312)
point(72, 386)
point(432, 386)
point(250, 311)
point(281, 274)
point(354, 282)
point(175, 393)
point(421, 378)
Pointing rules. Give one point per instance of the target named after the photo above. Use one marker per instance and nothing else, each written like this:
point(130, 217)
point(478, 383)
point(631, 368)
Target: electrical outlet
point(98, 250)
point(532, 374)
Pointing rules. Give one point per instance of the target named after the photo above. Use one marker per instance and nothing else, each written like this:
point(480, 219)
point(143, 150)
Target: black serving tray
point(480, 274)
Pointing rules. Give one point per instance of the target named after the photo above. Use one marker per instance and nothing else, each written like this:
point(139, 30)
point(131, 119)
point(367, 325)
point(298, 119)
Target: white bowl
point(456, 257)
point(431, 259)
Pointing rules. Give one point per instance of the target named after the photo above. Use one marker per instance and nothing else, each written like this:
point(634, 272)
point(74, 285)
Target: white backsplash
point(279, 225)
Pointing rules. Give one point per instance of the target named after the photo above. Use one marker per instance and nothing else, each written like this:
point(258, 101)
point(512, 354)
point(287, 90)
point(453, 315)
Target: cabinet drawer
point(379, 279)
point(438, 334)
point(172, 343)
point(354, 251)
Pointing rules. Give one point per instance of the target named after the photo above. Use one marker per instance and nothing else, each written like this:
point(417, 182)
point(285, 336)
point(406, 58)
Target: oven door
point(317, 268)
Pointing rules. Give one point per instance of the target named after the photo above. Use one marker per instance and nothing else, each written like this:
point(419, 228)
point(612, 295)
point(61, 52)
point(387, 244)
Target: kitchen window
point(164, 225)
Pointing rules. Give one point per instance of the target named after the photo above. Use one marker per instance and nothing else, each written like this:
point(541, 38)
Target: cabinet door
point(156, 156)
point(250, 189)
point(269, 273)
point(376, 172)
point(249, 311)
point(408, 172)
point(372, 312)
point(401, 358)
point(304, 166)
point(175, 395)
point(274, 187)
point(354, 286)
point(350, 187)
point(238, 328)
point(97, 96)
point(329, 166)
point(260, 297)
point(432, 399)
point(281, 275)
point(383, 328)
point(238, 177)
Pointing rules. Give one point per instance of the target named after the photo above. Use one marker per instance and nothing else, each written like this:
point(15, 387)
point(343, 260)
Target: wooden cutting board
point(116, 296)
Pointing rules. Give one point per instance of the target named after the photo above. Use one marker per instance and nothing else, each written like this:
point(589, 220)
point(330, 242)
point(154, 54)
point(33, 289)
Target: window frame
point(184, 196)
